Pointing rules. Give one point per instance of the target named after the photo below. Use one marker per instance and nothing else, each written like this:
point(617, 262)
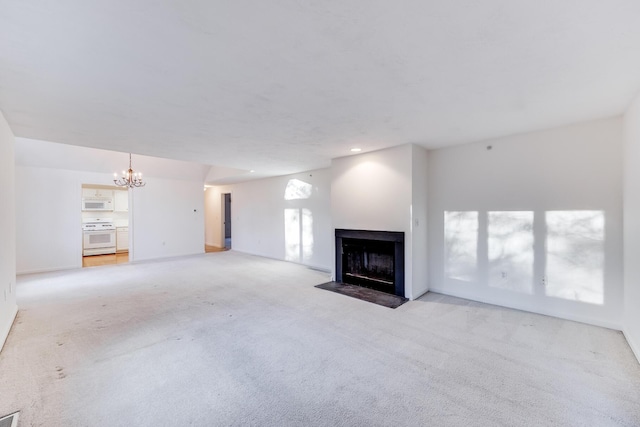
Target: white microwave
point(97, 204)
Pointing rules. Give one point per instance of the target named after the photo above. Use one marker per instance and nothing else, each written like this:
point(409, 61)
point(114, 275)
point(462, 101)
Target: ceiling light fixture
point(356, 150)
point(129, 178)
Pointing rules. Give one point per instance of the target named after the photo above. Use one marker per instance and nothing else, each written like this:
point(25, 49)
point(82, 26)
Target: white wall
point(419, 214)
point(631, 326)
point(48, 202)
point(545, 205)
point(167, 219)
point(285, 217)
point(379, 191)
point(8, 307)
point(372, 191)
point(49, 219)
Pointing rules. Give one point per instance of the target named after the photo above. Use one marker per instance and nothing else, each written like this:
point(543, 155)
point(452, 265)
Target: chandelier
point(129, 178)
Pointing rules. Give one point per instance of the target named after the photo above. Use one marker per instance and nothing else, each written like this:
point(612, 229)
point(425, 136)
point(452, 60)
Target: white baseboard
point(423, 294)
point(47, 270)
point(580, 319)
point(635, 347)
point(321, 268)
point(4, 334)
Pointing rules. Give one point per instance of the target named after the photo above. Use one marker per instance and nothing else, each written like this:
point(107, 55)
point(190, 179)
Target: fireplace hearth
point(372, 259)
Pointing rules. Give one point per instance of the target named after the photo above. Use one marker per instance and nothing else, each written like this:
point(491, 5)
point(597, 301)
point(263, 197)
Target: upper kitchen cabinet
point(121, 201)
point(97, 192)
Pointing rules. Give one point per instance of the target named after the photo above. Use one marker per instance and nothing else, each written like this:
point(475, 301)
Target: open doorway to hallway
point(217, 219)
point(226, 224)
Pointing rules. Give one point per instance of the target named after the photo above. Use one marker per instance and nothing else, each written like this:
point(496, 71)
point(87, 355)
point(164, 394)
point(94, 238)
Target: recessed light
point(356, 150)
point(251, 171)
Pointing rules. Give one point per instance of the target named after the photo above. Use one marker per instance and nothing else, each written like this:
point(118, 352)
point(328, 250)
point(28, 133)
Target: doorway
point(105, 225)
point(226, 224)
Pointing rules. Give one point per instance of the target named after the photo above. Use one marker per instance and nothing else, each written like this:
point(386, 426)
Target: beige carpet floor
point(230, 339)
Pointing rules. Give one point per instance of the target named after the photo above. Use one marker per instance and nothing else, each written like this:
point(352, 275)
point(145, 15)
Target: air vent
point(10, 420)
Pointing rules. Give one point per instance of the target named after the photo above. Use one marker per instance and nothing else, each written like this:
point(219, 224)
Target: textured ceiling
point(282, 86)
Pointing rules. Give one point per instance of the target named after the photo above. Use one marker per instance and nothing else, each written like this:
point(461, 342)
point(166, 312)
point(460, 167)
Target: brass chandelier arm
point(129, 179)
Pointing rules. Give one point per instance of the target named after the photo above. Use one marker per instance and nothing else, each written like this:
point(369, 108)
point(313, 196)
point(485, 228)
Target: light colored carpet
point(231, 339)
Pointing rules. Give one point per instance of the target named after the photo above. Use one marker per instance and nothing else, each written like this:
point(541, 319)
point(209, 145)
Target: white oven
point(98, 236)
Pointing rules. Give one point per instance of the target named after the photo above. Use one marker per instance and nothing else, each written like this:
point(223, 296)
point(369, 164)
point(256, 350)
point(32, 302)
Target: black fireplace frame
point(397, 237)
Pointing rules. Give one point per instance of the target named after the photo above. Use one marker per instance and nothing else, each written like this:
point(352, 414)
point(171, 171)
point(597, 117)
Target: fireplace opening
point(372, 259)
point(368, 263)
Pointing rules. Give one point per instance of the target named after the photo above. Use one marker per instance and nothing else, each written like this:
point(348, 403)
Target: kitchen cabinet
point(121, 201)
point(122, 239)
point(97, 192)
